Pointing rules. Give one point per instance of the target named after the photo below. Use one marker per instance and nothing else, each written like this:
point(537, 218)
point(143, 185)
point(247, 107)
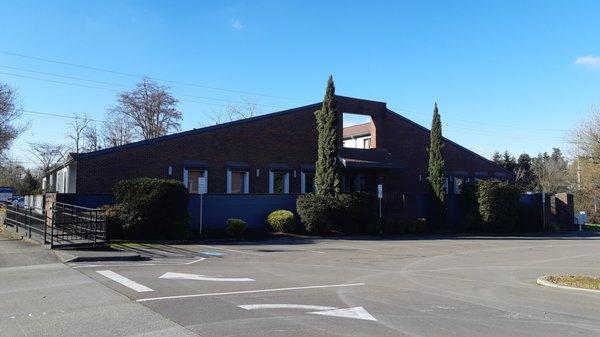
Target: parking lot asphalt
point(440, 286)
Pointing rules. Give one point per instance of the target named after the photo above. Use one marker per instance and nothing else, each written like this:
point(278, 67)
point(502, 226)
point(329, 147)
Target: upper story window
point(279, 182)
point(238, 182)
point(357, 131)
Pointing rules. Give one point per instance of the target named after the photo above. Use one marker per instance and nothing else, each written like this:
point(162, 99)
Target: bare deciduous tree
point(586, 167)
point(77, 131)
point(116, 130)
point(151, 109)
point(92, 138)
point(9, 113)
point(234, 113)
point(47, 155)
point(551, 172)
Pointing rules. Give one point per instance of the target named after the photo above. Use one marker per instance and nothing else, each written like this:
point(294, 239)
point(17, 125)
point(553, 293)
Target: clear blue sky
point(504, 73)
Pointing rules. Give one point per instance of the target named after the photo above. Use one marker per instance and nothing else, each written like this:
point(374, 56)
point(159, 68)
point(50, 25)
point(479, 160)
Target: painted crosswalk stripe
point(140, 288)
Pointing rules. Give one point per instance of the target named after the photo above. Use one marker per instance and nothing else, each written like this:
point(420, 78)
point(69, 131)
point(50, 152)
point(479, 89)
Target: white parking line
point(75, 265)
point(232, 250)
point(285, 306)
point(140, 288)
point(249, 292)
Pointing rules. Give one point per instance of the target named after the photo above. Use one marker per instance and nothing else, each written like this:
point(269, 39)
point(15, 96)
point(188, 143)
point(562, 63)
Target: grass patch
point(577, 281)
point(592, 227)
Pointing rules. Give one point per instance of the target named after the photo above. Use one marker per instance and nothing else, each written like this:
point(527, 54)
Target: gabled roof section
point(357, 130)
point(450, 141)
point(77, 156)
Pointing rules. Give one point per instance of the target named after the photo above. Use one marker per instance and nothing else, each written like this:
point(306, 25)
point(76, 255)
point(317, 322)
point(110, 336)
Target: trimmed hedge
point(149, 208)
point(235, 227)
point(491, 206)
point(347, 212)
point(282, 221)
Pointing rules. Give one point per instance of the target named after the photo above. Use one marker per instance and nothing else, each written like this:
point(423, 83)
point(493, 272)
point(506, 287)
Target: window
point(193, 180)
point(308, 182)
point(366, 143)
point(458, 183)
point(279, 182)
point(238, 182)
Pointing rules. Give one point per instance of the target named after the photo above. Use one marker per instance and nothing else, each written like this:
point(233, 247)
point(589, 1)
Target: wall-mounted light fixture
point(170, 171)
point(258, 172)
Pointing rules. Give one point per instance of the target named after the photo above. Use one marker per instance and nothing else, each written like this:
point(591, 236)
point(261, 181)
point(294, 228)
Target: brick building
point(276, 153)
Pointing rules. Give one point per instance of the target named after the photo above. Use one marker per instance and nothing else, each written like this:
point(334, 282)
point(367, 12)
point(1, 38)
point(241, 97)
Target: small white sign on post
point(202, 185)
point(202, 189)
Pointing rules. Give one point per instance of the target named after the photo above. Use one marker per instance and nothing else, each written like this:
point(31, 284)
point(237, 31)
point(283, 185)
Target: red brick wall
point(288, 138)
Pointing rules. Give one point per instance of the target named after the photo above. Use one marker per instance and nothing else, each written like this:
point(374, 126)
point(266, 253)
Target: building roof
point(367, 158)
point(357, 130)
point(350, 156)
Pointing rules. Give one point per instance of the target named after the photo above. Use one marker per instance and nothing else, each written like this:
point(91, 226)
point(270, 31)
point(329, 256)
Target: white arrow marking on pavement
point(195, 277)
point(284, 306)
point(356, 313)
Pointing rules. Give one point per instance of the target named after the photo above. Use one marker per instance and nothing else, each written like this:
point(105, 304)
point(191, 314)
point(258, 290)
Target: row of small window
point(238, 182)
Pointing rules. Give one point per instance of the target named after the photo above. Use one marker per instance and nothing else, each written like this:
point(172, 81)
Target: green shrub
point(282, 221)
point(498, 206)
point(235, 227)
point(348, 212)
point(149, 208)
point(490, 206)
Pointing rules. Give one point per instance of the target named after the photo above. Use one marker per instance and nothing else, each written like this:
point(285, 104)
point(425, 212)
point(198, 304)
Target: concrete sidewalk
point(42, 297)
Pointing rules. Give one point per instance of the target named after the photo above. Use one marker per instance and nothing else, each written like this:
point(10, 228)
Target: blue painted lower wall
point(252, 208)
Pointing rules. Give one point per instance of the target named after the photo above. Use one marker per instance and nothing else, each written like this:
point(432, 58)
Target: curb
point(544, 282)
point(66, 257)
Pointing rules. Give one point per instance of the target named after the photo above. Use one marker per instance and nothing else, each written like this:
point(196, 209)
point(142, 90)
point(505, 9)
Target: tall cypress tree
point(436, 169)
point(327, 175)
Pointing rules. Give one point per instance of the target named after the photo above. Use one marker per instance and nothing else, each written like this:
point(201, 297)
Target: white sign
point(355, 312)
point(202, 188)
point(380, 191)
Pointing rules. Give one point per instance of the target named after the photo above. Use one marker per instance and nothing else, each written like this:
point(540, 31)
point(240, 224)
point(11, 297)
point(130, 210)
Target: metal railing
point(72, 224)
point(62, 225)
point(27, 219)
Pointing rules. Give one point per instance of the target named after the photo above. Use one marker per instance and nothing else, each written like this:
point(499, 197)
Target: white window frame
point(246, 181)
point(186, 176)
point(286, 182)
point(303, 182)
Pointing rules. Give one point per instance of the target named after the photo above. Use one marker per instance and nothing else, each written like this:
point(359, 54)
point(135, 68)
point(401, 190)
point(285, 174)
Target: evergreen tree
point(508, 161)
point(436, 168)
point(327, 175)
point(497, 157)
point(525, 178)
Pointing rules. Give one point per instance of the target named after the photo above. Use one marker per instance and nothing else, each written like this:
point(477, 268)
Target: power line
point(98, 88)
point(211, 87)
point(124, 86)
point(155, 78)
point(481, 123)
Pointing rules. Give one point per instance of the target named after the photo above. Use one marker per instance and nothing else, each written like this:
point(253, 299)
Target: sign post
point(380, 196)
point(201, 189)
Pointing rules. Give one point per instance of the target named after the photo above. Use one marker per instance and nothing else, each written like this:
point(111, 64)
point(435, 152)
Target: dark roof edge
point(450, 141)
point(361, 99)
point(189, 132)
